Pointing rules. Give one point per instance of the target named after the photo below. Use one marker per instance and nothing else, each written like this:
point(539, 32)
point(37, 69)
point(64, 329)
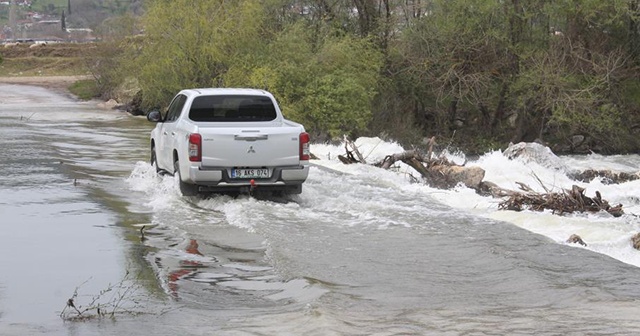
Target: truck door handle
point(165, 133)
point(250, 137)
point(173, 133)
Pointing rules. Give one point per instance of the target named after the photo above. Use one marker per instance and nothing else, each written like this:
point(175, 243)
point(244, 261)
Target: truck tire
point(187, 189)
point(154, 159)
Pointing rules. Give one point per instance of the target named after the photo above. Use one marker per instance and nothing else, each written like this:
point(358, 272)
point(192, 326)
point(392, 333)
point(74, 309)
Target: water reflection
point(187, 268)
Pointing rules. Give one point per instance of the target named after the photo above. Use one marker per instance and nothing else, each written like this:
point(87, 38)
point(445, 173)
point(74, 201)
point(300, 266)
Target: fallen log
point(389, 160)
point(438, 173)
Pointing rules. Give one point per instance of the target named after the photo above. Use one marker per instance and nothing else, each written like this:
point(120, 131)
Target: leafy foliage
point(519, 70)
point(485, 71)
point(325, 81)
point(331, 90)
point(193, 44)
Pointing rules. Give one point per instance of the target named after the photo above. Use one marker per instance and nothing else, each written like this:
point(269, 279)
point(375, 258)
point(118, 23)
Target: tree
point(486, 71)
point(193, 44)
point(516, 70)
point(323, 79)
point(462, 52)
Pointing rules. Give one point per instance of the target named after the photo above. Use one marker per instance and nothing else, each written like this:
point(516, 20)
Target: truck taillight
point(304, 146)
point(195, 147)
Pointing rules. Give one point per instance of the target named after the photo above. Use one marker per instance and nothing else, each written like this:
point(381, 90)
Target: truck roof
point(227, 91)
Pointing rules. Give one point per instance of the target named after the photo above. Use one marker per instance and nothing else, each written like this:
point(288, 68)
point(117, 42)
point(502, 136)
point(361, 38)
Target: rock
point(108, 105)
point(127, 90)
point(469, 176)
point(540, 142)
point(486, 188)
point(577, 140)
point(635, 240)
point(574, 238)
point(135, 106)
point(562, 149)
point(534, 152)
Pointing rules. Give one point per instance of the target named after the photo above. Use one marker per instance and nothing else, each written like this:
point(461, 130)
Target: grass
point(43, 66)
point(51, 60)
point(58, 59)
point(85, 89)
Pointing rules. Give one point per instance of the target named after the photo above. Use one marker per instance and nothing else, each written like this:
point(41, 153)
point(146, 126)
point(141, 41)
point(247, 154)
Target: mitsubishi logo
point(251, 150)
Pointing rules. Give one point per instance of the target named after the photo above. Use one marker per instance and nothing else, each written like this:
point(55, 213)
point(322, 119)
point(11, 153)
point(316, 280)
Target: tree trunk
point(499, 113)
point(634, 30)
point(438, 173)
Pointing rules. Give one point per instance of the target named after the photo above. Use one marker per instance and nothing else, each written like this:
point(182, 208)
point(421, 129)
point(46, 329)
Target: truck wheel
point(154, 159)
point(187, 189)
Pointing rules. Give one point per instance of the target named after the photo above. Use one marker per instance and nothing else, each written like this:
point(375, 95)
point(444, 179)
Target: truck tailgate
point(250, 147)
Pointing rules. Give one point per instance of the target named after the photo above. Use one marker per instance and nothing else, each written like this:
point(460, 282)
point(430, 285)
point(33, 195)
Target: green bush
point(85, 89)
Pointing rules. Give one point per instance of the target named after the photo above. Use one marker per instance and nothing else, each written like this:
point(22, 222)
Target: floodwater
point(360, 252)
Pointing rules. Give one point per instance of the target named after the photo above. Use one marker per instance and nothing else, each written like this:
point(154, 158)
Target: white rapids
point(602, 232)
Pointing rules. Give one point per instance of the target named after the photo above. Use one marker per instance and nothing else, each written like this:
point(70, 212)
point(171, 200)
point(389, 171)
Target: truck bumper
point(198, 176)
point(288, 179)
point(294, 174)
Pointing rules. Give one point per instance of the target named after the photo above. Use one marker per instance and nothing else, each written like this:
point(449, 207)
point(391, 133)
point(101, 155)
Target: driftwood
point(439, 172)
point(608, 177)
point(351, 154)
point(566, 201)
point(635, 241)
point(575, 239)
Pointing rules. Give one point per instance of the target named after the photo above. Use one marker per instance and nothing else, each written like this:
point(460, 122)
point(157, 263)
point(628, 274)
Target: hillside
point(29, 15)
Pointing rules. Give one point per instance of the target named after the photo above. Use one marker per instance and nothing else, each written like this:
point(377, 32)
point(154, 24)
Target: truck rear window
point(239, 108)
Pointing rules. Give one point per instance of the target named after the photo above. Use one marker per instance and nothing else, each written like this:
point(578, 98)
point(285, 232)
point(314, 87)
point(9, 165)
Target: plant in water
point(122, 298)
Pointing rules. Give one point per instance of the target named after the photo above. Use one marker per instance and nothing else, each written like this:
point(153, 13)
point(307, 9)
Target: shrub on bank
point(85, 89)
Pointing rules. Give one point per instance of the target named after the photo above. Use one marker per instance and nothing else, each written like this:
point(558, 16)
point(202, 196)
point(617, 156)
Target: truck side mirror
point(154, 116)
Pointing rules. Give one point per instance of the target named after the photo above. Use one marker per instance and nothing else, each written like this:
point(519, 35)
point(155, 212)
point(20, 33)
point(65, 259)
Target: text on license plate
point(250, 173)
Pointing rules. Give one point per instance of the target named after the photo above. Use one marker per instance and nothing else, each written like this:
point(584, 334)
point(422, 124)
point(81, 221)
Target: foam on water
point(602, 232)
point(161, 191)
point(355, 196)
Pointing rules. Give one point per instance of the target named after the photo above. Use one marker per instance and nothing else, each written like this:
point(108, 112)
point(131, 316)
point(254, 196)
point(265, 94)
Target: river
point(361, 251)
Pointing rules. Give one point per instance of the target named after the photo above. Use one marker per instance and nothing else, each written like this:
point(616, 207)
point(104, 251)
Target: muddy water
point(364, 253)
point(58, 229)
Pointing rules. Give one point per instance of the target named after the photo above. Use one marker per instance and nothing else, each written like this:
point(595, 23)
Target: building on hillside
point(80, 35)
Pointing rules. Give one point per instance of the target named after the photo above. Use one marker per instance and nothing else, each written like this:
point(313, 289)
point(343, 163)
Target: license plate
point(250, 173)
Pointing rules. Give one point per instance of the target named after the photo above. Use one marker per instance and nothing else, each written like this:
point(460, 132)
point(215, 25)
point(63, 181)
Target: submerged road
point(356, 254)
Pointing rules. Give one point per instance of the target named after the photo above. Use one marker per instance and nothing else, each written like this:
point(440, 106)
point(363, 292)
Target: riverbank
point(59, 84)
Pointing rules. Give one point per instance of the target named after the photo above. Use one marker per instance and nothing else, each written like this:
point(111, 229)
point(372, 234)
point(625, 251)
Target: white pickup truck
point(229, 140)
